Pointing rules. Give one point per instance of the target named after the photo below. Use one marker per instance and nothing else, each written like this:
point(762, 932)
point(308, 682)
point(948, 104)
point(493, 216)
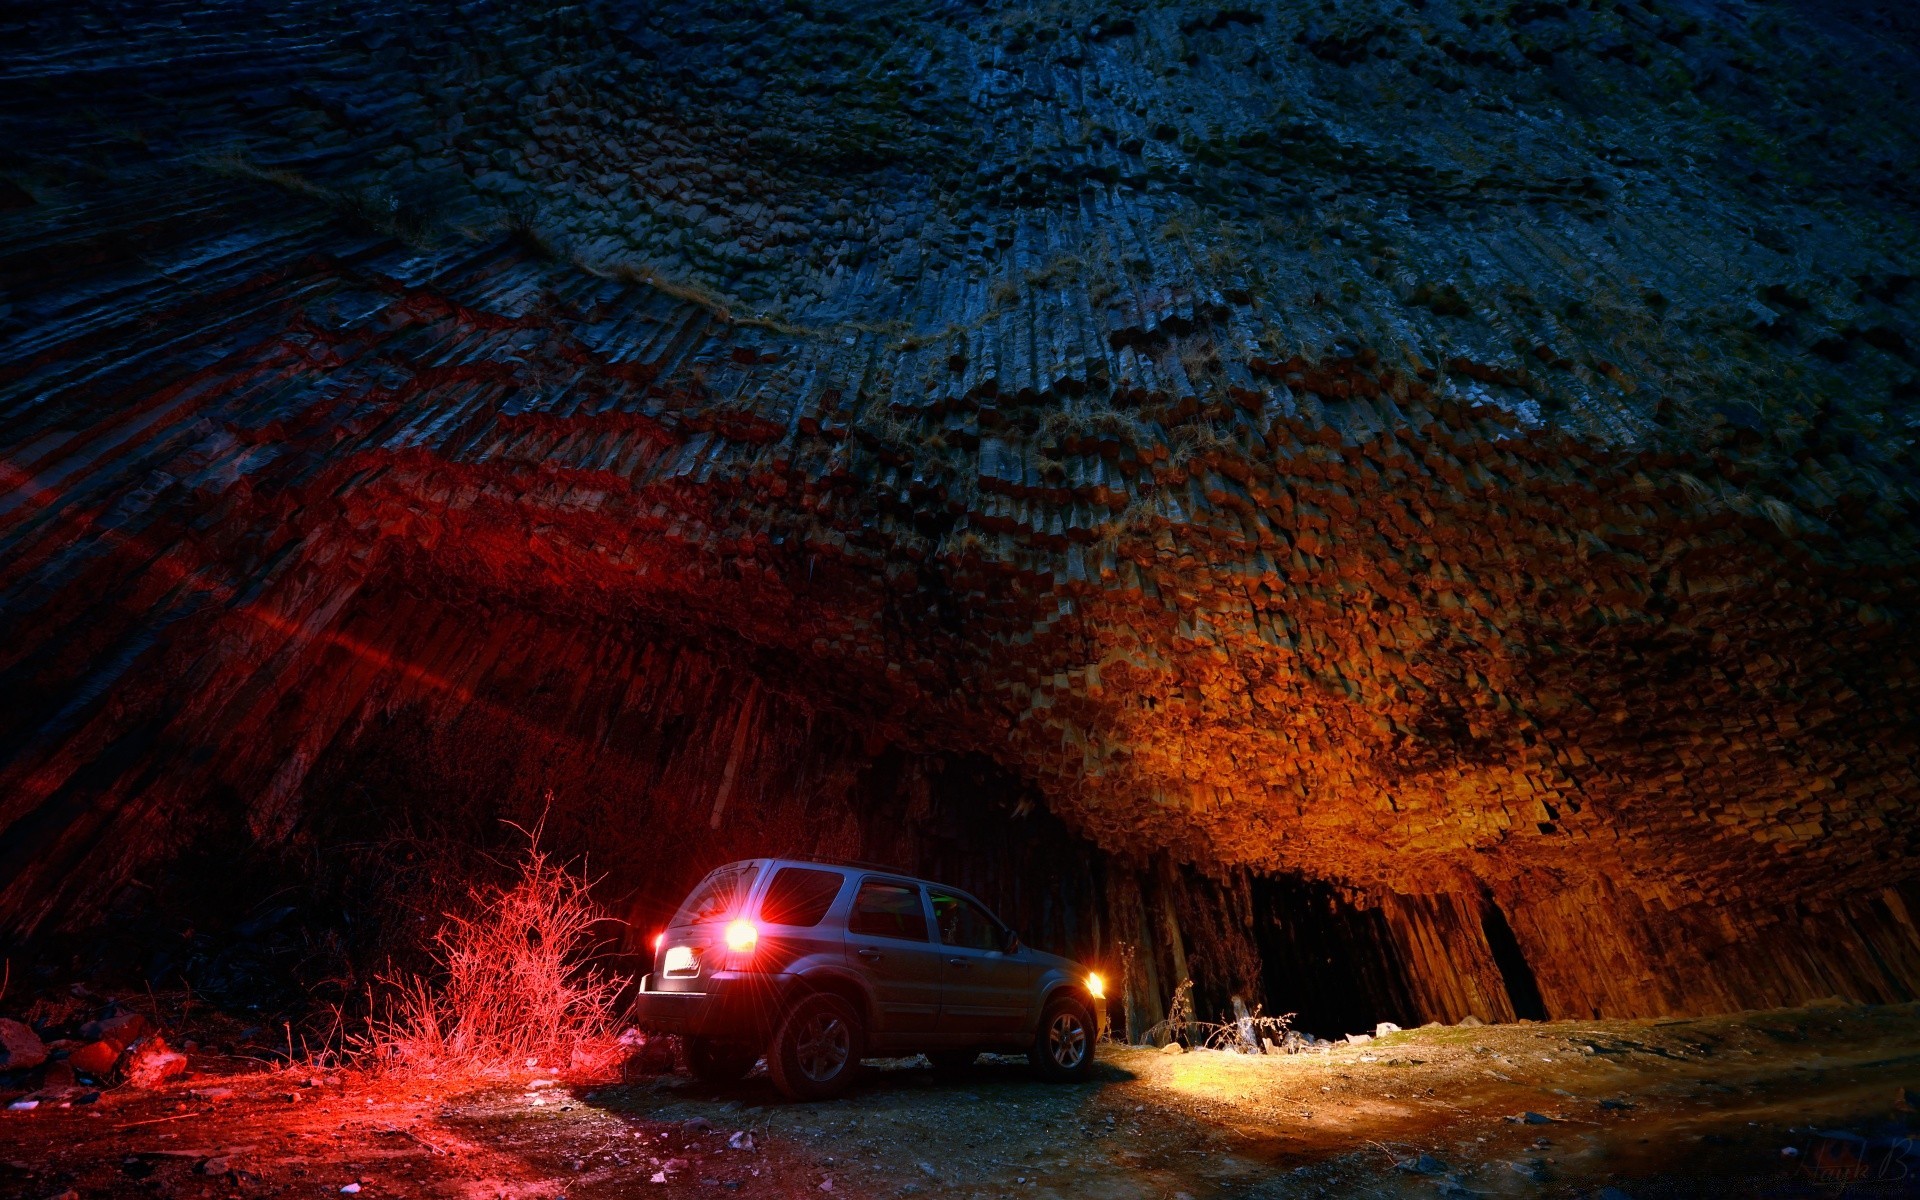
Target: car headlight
point(1096, 985)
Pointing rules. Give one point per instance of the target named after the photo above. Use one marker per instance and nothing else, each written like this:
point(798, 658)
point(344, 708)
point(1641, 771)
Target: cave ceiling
point(1400, 442)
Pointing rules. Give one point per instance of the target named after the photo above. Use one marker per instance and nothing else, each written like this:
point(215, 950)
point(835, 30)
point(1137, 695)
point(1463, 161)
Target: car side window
point(965, 924)
point(799, 896)
point(885, 909)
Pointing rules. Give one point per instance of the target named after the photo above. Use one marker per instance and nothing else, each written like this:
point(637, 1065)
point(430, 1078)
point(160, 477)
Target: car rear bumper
point(736, 1008)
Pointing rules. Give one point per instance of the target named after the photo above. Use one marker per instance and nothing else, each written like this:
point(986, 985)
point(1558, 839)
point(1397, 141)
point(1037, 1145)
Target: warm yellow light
point(742, 936)
point(1097, 986)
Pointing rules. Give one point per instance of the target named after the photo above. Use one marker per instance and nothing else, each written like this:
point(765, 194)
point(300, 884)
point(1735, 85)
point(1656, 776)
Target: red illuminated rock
point(121, 1029)
point(95, 1058)
point(149, 1062)
point(20, 1046)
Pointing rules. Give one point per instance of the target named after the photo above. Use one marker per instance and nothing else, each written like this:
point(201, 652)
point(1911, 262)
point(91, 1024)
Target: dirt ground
point(1799, 1102)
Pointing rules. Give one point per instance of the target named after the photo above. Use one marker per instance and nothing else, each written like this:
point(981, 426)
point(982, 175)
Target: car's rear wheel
point(1062, 1050)
point(719, 1062)
point(816, 1050)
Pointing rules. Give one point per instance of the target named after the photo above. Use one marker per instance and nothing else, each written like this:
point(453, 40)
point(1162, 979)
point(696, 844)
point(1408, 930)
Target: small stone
point(95, 1058)
point(1384, 1028)
point(1534, 1118)
point(1173, 1048)
point(1426, 1164)
point(20, 1046)
point(697, 1125)
point(122, 1029)
point(1469, 1022)
point(149, 1063)
point(350, 1189)
point(740, 1140)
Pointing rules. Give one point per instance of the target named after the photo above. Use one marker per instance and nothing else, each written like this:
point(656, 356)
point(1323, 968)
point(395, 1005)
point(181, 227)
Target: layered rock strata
point(1463, 454)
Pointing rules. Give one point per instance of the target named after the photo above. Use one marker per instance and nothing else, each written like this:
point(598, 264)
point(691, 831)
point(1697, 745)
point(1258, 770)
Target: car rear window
point(799, 896)
point(888, 910)
point(719, 895)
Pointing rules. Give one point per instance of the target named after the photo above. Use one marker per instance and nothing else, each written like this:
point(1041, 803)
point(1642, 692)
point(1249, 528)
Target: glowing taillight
point(742, 937)
point(659, 940)
point(680, 961)
point(1096, 985)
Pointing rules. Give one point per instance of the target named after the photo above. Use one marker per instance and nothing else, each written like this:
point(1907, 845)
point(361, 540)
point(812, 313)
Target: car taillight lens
point(680, 960)
point(742, 936)
point(1097, 986)
point(659, 940)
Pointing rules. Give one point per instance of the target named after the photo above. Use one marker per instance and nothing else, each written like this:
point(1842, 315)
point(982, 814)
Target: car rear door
point(988, 992)
point(888, 941)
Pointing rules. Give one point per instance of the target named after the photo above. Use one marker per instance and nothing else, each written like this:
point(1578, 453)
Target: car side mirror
point(1013, 942)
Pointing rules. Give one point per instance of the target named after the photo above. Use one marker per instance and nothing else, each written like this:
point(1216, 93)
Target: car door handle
point(956, 962)
point(870, 954)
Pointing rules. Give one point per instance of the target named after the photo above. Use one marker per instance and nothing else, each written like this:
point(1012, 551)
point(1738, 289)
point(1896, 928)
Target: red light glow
point(742, 936)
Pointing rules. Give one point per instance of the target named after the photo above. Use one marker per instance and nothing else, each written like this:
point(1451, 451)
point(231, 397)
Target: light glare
point(742, 936)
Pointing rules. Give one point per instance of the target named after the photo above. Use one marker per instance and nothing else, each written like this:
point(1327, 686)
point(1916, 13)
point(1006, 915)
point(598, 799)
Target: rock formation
point(1444, 466)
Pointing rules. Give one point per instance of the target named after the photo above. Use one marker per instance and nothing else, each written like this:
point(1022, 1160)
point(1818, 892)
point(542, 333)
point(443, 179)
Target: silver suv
point(817, 964)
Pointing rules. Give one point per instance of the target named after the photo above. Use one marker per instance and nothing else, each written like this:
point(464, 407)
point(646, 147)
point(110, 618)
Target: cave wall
point(1401, 482)
point(424, 731)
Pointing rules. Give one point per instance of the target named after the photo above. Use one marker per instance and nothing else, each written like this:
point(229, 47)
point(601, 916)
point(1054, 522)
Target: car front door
point(988, 990)
point(888, 942)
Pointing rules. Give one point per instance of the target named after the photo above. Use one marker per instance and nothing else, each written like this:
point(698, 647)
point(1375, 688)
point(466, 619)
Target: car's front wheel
point(816, 1050)
point(719, 1062)
point(1062, 1050)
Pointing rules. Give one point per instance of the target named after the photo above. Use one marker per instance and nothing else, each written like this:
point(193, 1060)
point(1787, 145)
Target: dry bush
point(1229, 1034)
point(514, 986)
point(1235, 1034)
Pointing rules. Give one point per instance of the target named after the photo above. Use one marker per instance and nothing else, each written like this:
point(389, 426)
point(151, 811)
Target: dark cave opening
point(1523, 990)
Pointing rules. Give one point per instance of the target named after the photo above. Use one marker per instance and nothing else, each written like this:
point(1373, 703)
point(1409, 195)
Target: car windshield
point(719, 895)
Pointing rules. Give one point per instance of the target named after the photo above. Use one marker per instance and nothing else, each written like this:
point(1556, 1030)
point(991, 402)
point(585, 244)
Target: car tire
point(719, 1062)
point(816, 1051)
point(1062, 1050)
point(952, 1062)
